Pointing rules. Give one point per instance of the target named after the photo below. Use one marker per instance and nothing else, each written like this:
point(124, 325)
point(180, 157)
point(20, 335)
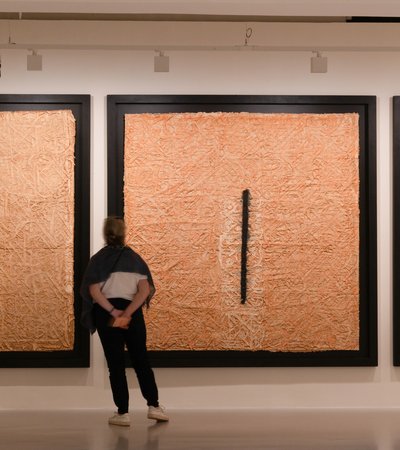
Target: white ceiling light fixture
point(34, 61)
point(161, 62)
point(319, 63)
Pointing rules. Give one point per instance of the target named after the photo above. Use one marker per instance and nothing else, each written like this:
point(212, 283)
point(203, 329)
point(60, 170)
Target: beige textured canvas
point(184, 177)
point(36, 230)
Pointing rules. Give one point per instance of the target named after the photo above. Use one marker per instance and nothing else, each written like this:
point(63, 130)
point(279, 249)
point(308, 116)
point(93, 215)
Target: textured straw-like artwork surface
point(184, 177)
point(36, 230)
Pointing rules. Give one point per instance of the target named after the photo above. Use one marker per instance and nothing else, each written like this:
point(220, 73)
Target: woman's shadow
point(154, 435)
point(126, 437)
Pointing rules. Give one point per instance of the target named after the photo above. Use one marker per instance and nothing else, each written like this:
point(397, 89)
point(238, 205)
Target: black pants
point(114, 341)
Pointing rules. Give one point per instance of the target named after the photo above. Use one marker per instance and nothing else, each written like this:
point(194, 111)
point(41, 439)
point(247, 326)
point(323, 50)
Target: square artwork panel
point(184, 174)
point(37, 230)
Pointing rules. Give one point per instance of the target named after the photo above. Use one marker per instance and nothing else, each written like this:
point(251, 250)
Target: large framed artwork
point(396, 231)
point(257, 216)
point(44, 229)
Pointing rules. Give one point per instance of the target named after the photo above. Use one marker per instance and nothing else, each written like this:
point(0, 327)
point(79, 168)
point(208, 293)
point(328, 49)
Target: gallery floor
point(191, 430)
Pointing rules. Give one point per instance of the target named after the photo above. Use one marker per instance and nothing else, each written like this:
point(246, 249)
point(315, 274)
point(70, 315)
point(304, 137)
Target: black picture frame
point(365, 106)
point(80, 107)
point(396, 230)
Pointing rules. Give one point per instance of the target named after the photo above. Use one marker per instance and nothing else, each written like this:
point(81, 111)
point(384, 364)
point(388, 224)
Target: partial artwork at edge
point(44, 223)
point(257, 216)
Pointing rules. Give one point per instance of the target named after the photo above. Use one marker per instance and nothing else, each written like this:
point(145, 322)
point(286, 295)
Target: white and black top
point(122, 285)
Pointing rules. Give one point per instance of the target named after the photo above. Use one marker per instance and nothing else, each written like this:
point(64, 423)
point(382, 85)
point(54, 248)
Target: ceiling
point(204, 10)
point(165, 17)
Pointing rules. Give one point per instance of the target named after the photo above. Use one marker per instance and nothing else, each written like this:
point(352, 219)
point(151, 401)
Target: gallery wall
point(357, 65)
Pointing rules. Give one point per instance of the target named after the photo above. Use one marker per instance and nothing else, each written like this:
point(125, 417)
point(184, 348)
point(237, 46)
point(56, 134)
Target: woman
point(116, 284)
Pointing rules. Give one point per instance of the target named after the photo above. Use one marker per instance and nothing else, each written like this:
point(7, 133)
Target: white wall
point(99, 73)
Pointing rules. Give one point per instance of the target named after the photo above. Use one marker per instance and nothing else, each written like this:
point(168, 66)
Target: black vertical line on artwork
point(245, 237)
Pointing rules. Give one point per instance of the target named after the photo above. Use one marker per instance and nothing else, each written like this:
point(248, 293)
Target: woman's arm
point(143, 291)
point(101, 299)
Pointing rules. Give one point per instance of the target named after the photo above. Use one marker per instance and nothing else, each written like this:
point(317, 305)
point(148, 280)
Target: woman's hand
point(121, 322)
point(116, 313)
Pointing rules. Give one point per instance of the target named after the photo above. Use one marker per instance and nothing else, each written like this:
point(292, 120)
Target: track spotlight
point(319, 64)
point(34, 61)
point(161, 62)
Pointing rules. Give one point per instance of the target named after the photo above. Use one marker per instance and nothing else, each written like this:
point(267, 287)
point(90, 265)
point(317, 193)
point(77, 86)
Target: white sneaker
point(157, 413)
point(122, 420)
